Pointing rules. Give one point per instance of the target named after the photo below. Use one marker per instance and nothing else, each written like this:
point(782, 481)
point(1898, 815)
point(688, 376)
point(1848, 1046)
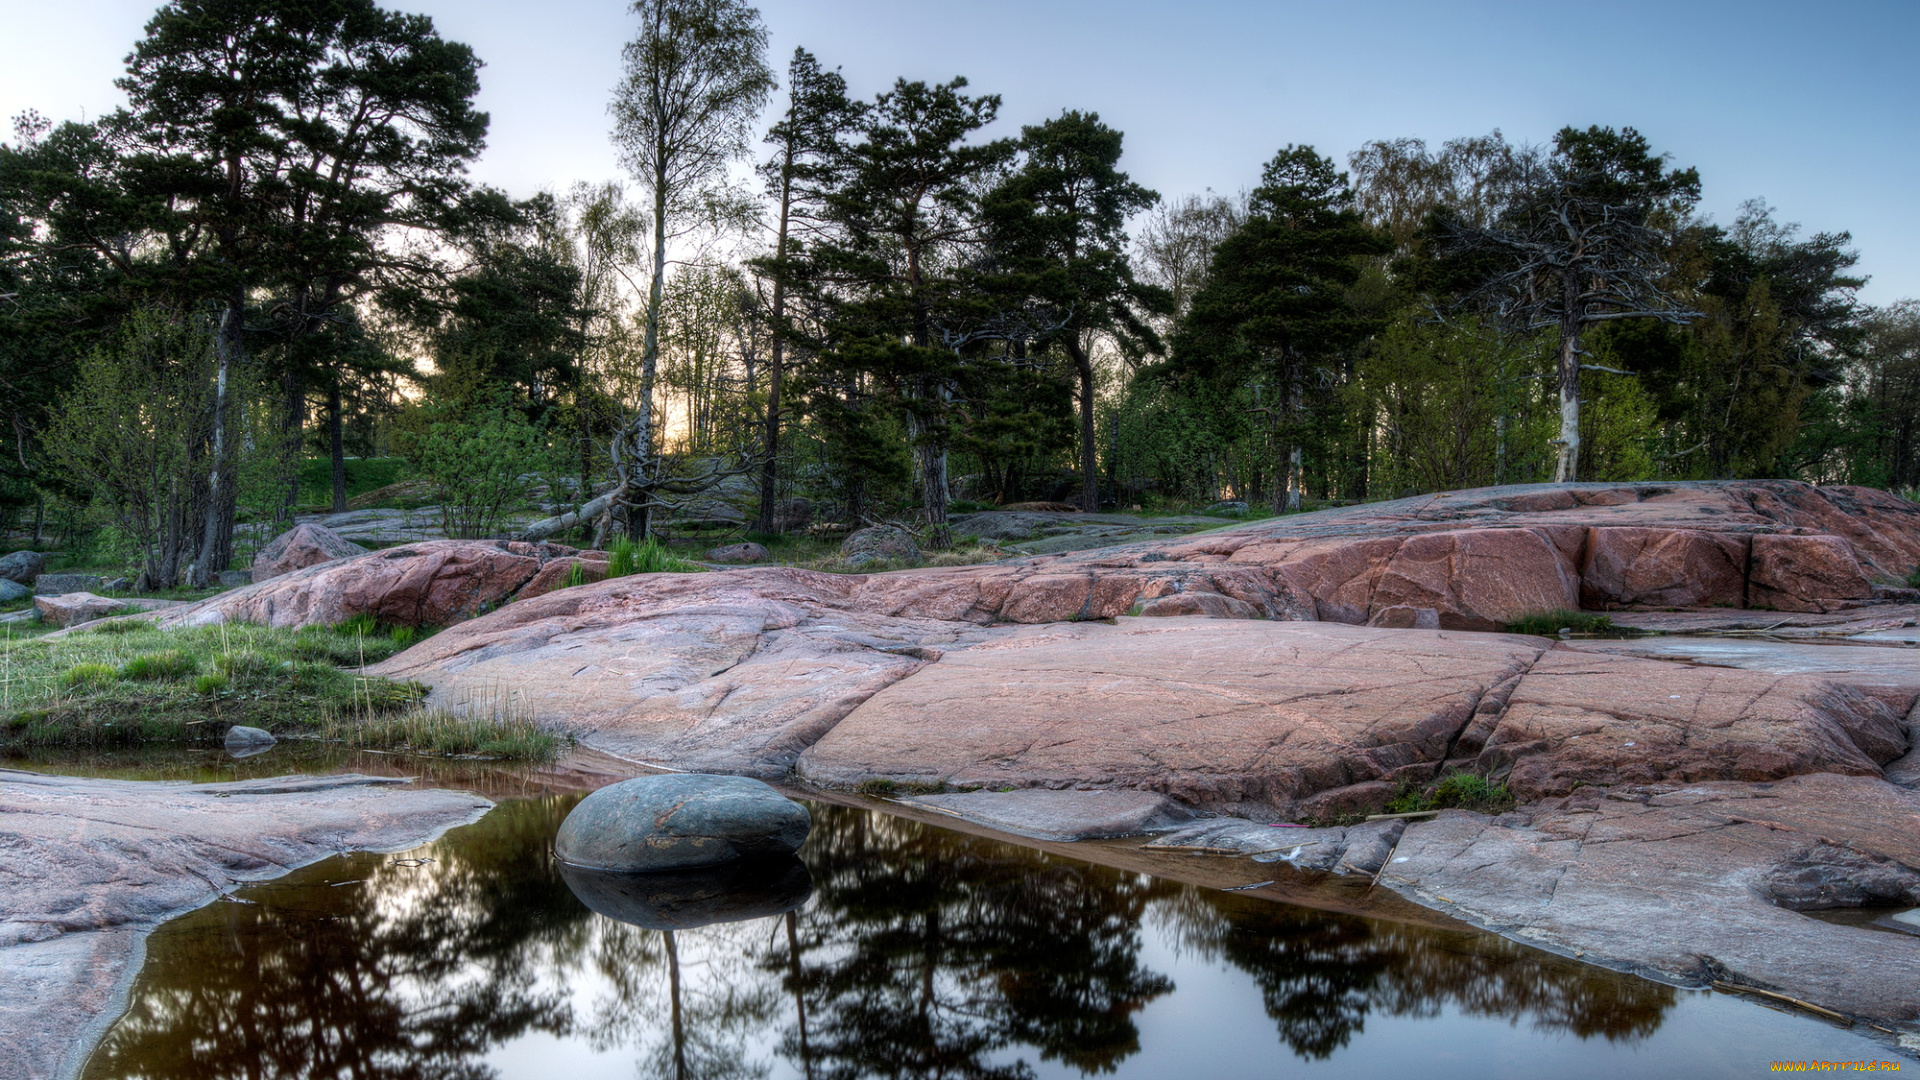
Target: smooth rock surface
point(679, 821)
point(1232, 716)
point(1676, 883)
point(91, 865)
point(1062, 815)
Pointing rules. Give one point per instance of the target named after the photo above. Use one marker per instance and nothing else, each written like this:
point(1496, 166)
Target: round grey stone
point(679, 821)
point(13, 590)
point(241, 737)
point(21, 567)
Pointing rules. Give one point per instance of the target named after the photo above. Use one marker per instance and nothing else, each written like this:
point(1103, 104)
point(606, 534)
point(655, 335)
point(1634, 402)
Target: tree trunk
point(214, 555)
point(930, 454)
point(296, 406)
point(770, 472)
point(1089, 460)
point(632, 494)
point(1567, 466)
point(337, 448)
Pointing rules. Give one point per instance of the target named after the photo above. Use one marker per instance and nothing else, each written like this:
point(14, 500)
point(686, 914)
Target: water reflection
point(920, 953)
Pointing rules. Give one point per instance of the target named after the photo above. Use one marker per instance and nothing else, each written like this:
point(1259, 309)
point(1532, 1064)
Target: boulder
point(119, 584)
point(234, 579)
point(1230, 508)
point(1805, 573)
point(792, 514)
point(11, 591)
point(747, 552)
point(243, 739)
point(880, 542)
point(57, 584)
point(679, 821)
point(688, 899)
point(301, 547)
point(21, 567)
point(71, 609)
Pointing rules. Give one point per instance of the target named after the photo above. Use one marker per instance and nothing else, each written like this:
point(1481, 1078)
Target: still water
point(906, 950)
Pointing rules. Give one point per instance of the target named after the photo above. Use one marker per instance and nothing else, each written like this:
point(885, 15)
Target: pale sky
point(1811, 106)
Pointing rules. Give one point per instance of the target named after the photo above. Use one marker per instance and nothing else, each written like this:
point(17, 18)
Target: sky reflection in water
point(920, 952)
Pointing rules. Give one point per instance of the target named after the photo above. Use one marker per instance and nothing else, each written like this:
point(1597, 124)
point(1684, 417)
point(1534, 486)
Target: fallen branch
point(1736, 988)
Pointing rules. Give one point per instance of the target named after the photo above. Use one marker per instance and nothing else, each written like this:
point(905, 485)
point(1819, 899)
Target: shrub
point(479, 464)
point(1913, 579)
point(167, 665)
point(1456, 790)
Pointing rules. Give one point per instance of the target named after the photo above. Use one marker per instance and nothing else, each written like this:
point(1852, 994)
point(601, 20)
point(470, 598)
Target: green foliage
point(360, 625)
point(481, 463)
point(577, 573)
point(439, 731)
point(1913, 579)
point(363, 475)
point(1551, 623)
point(403, 636)
point(1456, 790)
point(211, 683)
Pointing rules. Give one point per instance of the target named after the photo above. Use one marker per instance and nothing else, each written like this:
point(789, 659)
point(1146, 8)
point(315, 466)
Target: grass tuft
point(166, 665)
point(650, 557)
point(211, 683)
point(89, 674)
point(1550, 623)
point(442, 731)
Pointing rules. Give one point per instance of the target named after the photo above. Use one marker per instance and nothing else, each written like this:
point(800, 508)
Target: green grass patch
point(647, 557)
point(1456, 790)
point(1548, 624)
point(363, 475)
point(1913, 579)
point(165, 665)
point(439, 731)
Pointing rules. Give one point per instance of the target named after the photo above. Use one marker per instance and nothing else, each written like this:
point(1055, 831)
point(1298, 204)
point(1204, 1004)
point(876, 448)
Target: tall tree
point(805, 142)
point(1587, 241)
point(695, 79)
point(1060, 219)
point(1276, 304)
point(892, 275)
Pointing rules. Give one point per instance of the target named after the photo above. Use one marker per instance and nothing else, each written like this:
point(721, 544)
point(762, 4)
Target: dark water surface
point(914, 951)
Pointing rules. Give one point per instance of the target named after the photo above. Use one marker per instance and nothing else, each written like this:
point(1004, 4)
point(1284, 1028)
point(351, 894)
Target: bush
point(1913, 579)
point(1456, 790)
point(479, 465)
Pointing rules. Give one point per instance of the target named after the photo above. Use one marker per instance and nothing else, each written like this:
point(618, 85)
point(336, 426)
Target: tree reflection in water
point(921, 953)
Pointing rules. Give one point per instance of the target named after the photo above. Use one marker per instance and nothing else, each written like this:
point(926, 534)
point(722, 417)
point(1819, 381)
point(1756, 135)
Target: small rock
point(748, 552)
point(234, 579)
point(58, 584)
point(1230, 508)
point(21, 567)
point(13, 590)
point(881, 542)
point(301, 547)
point(679, 821)
point(118, 584)
point(245, 741)
point(73, 608)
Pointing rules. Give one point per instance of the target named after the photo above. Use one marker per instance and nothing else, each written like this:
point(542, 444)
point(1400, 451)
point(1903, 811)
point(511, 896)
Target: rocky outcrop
point(92, 865)
point(427, 584)
point(301, 547)
point(73, 609)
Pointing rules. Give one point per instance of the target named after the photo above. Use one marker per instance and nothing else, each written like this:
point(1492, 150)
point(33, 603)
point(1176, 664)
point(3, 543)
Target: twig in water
point(1736, 988)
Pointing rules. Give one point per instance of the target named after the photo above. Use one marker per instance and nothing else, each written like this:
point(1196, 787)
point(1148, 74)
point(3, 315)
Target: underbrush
point(131, 682)
point(1454, 791)
point(1913, 579)
point(1551, 623)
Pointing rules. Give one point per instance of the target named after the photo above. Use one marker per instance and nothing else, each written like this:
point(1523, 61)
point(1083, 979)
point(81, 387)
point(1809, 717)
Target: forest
point(267, 285)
